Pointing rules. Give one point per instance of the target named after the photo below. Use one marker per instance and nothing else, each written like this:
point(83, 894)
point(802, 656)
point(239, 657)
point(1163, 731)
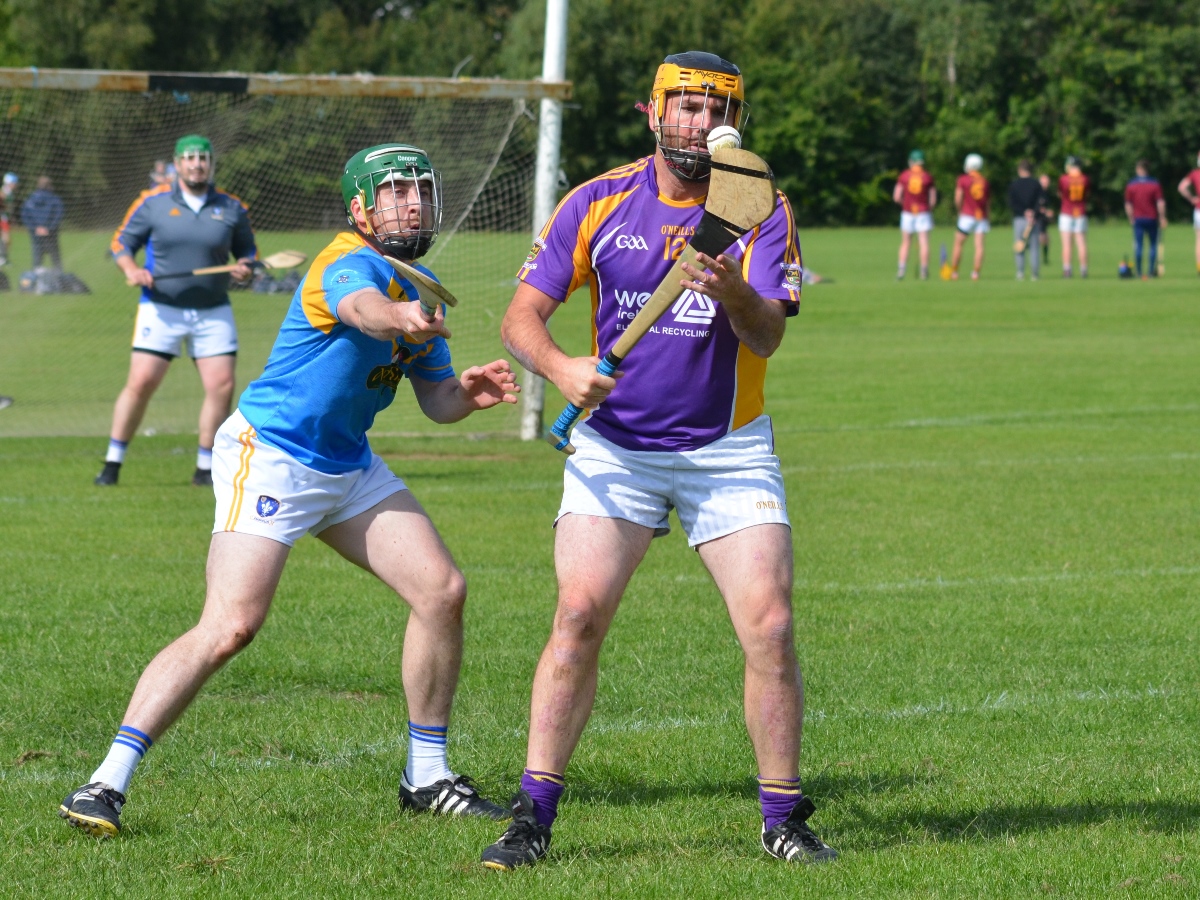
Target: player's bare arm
point(479, 387)
point(377, 315)
point(933, 197)
point(958, 198)
point(1185, 190)
point(527, 337)
point(758, 323)
point(898, 194)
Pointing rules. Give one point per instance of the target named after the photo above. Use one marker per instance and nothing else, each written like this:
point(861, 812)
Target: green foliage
point(839, 91)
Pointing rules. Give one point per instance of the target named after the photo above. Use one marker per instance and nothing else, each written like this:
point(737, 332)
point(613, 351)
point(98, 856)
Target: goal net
point(279, 144)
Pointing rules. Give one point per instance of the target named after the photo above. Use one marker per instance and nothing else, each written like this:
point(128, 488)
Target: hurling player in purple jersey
point(682, 427)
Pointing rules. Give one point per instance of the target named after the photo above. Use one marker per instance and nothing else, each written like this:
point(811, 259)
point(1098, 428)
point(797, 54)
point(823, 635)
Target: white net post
point(554, 69)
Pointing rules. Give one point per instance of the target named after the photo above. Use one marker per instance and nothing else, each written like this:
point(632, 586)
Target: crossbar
point(360, 85)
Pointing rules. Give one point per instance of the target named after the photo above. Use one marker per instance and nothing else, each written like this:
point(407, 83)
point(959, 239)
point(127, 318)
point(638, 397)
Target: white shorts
point(731, 484)
point(913, 223)
point(263, 491)
point(1196, 218)
point(1072, 224)
point(165, 329)
point(972, 225)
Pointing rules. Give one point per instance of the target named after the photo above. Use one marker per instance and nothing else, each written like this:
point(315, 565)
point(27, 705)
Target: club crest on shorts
point(267, 506)
point(793, 274)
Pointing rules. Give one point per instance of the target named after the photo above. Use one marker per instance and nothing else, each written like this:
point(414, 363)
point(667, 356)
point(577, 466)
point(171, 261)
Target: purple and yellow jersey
point(689, 381)
point(325, 382)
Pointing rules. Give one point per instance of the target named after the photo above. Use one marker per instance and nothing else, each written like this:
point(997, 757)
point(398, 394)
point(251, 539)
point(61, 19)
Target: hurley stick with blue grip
point(741, 195)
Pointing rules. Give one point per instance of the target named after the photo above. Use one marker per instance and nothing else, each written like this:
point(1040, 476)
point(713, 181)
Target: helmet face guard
point(694, 93)
point(401, 197)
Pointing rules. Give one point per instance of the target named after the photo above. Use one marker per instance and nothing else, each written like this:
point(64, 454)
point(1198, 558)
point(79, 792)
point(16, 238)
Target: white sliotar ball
point(724, 136)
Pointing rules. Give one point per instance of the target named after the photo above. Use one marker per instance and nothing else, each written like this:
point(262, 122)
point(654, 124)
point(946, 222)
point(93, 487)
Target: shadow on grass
point(991, 822)
point(825, 788)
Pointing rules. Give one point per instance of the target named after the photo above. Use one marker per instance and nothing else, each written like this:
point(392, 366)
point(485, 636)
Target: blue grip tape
point(561, 428)
point(562, 425)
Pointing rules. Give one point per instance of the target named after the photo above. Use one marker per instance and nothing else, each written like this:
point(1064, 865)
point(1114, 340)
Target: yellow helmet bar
point(671, 77)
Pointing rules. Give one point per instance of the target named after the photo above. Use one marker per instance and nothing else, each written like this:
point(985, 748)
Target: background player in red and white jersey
point(1190, 188)
point(1074, 188)
point(917, 196)
point(971, 196)
point(684, 429)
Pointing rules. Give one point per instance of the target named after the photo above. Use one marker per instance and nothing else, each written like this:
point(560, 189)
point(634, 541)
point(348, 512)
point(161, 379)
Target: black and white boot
point(94, 808)
point(525, 841)
point(794, 841)
point(455, 796)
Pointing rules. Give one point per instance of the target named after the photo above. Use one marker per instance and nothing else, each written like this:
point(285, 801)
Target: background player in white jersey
point(684, 428)
point(294, 459)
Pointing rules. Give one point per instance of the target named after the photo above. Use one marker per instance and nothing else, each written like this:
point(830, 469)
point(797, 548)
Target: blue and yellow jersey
point(325, 382)
point(689, 381)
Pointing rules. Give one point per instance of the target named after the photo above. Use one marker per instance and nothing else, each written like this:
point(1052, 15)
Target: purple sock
point(778, 796)
point(545, 788)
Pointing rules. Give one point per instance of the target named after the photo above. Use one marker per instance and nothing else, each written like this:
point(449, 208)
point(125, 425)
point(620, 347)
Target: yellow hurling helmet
point(680, 136)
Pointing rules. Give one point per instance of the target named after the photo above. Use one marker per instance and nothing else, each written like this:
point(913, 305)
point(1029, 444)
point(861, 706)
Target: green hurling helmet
point(916, 158)
point(193, 142)
point(390, 180)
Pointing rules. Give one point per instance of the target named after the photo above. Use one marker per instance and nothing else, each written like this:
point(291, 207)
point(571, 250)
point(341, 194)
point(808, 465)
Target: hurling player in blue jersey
point(294, 459)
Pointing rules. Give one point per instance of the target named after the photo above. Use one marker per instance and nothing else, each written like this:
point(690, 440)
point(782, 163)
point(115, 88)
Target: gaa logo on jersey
point(267, 506)
point(631, 242)
point(793, 274)
point(218, 213)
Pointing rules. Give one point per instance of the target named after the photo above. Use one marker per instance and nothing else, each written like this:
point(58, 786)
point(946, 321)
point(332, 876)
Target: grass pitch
point(994, 494)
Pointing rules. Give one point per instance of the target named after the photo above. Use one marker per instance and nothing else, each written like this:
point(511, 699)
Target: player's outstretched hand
point(486, 386)
point(581, 384)
point(723, 282)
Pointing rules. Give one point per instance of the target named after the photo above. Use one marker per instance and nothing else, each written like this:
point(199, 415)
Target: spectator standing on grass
point(1190, 189)
point(42, 214)
point(1026, 199)
point(1073, 190)
point(1043, 217)
point(971, 196)
point(1147, 213)
point(8, 188)
point(917, 196)
point(160, 174)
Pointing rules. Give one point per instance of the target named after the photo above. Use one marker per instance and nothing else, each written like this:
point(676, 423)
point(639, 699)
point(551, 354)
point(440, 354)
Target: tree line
point(839, 92)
